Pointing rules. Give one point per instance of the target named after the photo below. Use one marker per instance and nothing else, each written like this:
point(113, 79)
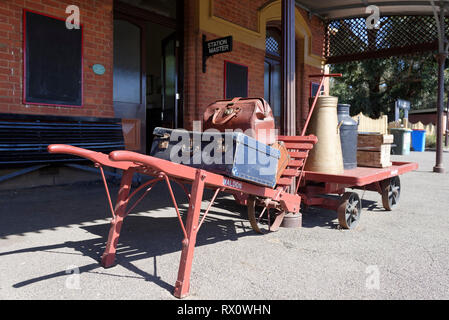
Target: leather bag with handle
point(242, 114)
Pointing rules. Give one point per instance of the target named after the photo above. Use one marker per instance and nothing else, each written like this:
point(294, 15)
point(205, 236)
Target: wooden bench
point(24, 139)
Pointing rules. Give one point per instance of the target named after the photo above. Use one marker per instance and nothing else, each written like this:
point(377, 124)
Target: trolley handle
point(322, 76)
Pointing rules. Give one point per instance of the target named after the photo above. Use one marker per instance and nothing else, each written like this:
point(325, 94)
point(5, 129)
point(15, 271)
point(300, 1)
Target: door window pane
point(266, 79)
point(169, 77)
point(127, 60)
point(276, 92)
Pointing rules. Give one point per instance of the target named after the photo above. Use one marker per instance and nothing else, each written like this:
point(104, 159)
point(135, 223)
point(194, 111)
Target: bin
point(419, 140)
point(402, 139)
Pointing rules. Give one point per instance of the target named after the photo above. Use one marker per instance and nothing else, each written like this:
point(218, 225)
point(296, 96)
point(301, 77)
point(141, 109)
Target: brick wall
point(202, 89)
point(96, 18)
point(211, 83)
point(317, 29)
point(243, 13)
point(303, 92)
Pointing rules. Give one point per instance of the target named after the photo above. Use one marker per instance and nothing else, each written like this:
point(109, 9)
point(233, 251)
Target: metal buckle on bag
point(163, 144)
point(228, 111)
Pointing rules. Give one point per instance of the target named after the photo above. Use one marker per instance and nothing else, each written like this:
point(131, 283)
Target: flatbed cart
point(276, 200)
point(315, 188)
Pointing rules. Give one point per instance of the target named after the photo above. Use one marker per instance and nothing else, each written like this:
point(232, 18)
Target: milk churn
point(326, 155)
point(348, 136)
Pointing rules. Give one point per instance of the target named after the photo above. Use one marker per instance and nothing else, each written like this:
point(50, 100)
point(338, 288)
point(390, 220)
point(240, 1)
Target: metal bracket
point(205, 57)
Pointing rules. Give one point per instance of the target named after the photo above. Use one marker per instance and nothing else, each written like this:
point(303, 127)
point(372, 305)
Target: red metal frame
point(25, 65)
point(279, 197)
point(167, 171)
point(362, 176)
point(359, 178)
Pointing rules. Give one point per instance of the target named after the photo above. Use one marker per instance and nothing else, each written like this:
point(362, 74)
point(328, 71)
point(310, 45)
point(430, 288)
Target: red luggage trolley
point(276, 199)
point(316, 186)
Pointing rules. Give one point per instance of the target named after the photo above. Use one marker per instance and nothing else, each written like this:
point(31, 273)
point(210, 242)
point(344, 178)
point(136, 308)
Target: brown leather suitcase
point(251, 115)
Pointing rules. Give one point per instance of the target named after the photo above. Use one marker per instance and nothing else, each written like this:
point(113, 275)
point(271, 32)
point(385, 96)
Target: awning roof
point(404, 27)
point(338, 9)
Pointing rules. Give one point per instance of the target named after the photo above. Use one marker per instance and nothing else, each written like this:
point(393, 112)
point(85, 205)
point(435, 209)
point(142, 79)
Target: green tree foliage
point(373, 86)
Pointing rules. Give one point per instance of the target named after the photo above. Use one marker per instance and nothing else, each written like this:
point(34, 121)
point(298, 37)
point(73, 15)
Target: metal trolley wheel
point(391, 192)
point(349, 210)
point(261, 220)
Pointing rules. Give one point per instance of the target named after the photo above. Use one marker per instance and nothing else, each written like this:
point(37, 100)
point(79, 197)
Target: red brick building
point(156, 48)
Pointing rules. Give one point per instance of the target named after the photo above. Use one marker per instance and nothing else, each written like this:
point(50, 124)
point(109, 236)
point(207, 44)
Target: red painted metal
point(95, 157)
point(108, 257)
point(208, 207)
point(362, 176)
point(182, 285)
point(359, 178)
point(278, 198)
point(108, 194)
point(132, 162)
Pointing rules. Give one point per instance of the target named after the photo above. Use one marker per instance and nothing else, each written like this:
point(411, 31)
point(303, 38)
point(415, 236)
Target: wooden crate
point(375, 158)
point(373, 150)
point(373, 140)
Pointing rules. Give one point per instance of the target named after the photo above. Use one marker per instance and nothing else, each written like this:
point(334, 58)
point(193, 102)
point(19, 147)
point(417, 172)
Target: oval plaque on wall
point(99, 69)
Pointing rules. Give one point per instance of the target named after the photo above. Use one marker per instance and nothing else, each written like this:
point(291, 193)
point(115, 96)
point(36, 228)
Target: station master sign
point(216, 46)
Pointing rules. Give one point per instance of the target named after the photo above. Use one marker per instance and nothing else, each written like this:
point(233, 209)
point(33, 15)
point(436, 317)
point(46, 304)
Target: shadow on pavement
point(324, 218)
point(142, 237)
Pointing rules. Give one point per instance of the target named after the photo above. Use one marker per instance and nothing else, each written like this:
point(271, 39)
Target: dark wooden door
point(170, 94)
point(129, 80)
point(272, 88)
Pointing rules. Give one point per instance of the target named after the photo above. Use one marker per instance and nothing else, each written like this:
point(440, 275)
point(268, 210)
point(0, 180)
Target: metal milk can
point(348, 136)
point(326, 155)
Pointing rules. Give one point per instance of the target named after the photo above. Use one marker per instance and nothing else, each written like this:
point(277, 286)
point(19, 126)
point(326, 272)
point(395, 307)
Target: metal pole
point(446, 141)
point(288, 67)
point(441, 57)
point(288, 85)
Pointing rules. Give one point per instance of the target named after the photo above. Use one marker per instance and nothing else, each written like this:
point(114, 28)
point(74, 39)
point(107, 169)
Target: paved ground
point(45, 232)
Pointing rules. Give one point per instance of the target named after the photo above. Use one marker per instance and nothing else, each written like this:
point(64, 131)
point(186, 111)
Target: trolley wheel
point(261, 220)
point(349, 210)
point(391, 191)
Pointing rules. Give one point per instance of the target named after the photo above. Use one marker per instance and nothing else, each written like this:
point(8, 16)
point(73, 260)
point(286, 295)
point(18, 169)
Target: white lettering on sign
point(219, 49)
point(217, 43)
point(232, 183)
point(219, 46)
